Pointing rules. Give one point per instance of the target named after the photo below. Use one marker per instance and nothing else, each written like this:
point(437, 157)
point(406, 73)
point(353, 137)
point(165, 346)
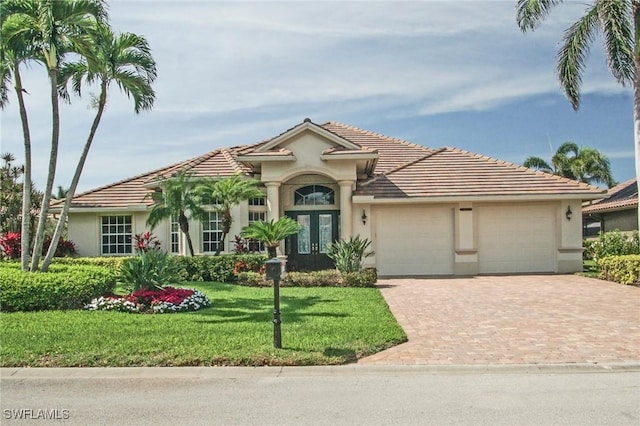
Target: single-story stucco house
point(618, 210)
point(427, 211)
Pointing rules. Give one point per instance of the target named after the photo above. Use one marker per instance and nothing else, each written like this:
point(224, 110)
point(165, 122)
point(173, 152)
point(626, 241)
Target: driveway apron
point(527, 319)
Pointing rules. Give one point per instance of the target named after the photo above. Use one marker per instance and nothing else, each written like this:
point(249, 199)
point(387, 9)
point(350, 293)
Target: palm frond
point(529, 13)
point(617, 29)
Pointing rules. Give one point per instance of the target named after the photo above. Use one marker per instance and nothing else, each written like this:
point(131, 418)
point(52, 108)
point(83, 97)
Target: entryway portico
point(310, 175)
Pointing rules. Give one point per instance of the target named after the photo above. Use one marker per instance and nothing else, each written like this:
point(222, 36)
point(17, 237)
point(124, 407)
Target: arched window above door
point(314, 195)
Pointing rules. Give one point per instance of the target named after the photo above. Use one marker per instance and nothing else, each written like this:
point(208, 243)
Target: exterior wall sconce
point(569, 213)
point(364, 217)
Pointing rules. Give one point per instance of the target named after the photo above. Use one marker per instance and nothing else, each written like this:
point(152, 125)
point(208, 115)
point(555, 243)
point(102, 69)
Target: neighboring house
point(618, 210)
point(427, 211)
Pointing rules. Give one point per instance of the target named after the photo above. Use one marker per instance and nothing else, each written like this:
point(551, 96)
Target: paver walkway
point(527, 319)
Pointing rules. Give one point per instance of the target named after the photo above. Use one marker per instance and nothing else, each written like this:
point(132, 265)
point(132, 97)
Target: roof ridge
point(375, 134)
point(527, 169)
point(232, 160)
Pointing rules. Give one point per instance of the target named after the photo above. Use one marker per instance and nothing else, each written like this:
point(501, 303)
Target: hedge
point(327, 278)
point(620, 269)
point(224, 268)
point(63, 287)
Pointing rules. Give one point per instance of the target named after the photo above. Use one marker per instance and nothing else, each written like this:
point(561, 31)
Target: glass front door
point(307, 250)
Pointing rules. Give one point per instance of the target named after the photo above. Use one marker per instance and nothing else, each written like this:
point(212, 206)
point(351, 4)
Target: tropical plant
point(225, 193)
point(11, 198)
point(123, 59)
point(584, 164)
point(48, 30)
point(619, 23)
point(176, 198)
point(271, 233)
point(60, 193)
point(152, 269)
point(348, 254)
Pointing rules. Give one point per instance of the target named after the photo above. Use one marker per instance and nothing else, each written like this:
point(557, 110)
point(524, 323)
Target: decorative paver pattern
point(528, 319)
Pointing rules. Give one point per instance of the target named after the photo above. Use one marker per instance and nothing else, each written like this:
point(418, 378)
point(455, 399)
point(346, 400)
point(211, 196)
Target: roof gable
point(280, 141)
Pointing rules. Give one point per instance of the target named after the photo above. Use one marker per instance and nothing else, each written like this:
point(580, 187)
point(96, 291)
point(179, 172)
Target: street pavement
point(578, 394)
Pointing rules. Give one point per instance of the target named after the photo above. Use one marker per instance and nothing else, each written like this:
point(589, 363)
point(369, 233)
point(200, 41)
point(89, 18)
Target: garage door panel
point(414, 240)
point(516, 239)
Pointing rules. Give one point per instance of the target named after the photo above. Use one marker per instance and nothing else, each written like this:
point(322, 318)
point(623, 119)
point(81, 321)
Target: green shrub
point(328, 278)
point(613, 243)
point(620, 269)
point(63, 287)
point(348, 254)
point(112, 262)
point(151, 270)
point(215, 268)
point(253, 279)
point(363, 278)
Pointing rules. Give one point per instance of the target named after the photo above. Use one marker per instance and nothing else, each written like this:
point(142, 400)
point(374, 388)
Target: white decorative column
point(346, 190)
point(273, 200)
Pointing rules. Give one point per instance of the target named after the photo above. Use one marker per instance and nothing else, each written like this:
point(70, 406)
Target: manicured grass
point(319, 326)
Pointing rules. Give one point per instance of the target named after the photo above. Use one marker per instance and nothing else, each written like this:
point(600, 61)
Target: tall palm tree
point(177, 198)
point(584, 164)
point(11, 57)
point(51, 29)
point(123, 59)
point(225, 193)
point(271, 233)
point(619, 23)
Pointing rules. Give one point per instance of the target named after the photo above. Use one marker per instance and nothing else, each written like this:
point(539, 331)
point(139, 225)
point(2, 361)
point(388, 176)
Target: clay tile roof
point(393, 152)
point(133, 191)
point(454, 172)
point(620, 197)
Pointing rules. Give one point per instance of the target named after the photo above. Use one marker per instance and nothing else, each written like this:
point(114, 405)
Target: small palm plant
point(271, 233)
point(151, 270)
point(348, 254)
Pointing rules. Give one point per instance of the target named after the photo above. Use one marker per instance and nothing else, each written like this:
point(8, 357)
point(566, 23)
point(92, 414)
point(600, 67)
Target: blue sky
point(436, 73)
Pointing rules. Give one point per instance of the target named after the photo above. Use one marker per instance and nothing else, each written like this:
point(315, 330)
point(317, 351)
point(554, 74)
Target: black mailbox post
point(274, 268)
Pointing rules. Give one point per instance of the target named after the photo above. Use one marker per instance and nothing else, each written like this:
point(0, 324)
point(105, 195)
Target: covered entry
point(414, 240)
point(307, 250)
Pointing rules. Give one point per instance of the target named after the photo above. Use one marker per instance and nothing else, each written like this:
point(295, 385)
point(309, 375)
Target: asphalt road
point(346, 395)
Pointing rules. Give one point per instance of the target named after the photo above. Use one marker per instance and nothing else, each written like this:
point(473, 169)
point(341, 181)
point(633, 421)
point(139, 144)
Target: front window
point(256, 216)
point(175, 235)
point(211, 233)
point(314, 195)
point(116, 233)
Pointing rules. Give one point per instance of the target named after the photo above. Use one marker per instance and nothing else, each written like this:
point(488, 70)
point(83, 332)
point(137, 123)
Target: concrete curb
point(9, 373)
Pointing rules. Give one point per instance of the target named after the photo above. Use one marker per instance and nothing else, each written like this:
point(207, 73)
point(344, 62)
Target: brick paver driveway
point(512, 320)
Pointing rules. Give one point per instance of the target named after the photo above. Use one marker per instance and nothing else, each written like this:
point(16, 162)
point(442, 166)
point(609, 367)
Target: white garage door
point(414, 240)
point(514, 239)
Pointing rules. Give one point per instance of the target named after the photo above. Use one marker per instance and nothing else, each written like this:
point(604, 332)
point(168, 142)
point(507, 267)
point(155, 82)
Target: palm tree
point(51, 29)
point(619, 22)
point(177, 198)
point(123, 59)
point(224, 194)
point(271, 233)
point(11, 57)
point(585, 164)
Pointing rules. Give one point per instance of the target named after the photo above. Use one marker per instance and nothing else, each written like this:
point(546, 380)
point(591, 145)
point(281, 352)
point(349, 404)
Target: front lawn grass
point(319, 326)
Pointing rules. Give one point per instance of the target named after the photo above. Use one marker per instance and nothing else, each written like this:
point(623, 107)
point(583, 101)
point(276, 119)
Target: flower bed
point(167, 300)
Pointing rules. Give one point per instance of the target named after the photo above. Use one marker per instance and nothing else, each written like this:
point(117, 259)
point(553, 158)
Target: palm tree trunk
point(76, 178)
point(25, 231)
point(636, 93)
point(53, 159)
point(184, 227)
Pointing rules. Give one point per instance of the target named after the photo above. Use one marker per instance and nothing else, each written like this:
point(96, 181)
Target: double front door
point(307, 249)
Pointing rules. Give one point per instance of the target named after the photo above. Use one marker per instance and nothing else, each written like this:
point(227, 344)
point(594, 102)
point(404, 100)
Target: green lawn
point(319, 326)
